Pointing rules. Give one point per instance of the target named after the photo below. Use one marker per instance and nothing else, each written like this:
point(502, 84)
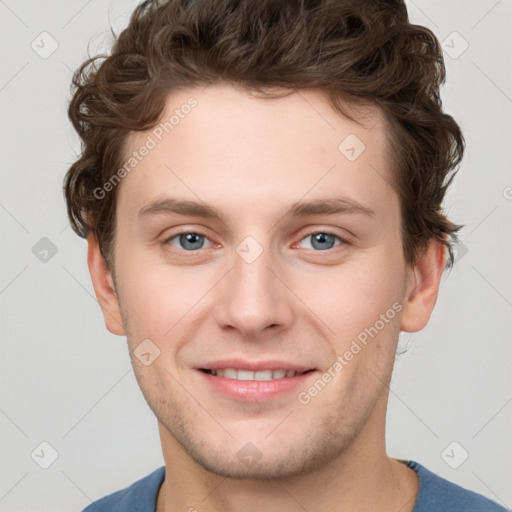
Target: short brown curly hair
point(363, 50)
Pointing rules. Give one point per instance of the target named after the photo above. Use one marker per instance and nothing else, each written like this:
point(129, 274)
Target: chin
point(262, 460)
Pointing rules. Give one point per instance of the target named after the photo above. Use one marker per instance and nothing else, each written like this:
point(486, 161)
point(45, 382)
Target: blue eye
point(191, 241)
point(188, 240)
point(322, 240)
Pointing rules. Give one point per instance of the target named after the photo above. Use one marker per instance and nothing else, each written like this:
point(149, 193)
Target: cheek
point(356, 296)
point(156, 297)
point(364, 313)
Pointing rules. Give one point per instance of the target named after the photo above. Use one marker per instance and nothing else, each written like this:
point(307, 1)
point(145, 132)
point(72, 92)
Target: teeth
point(262, 375)
point(231, 373)
point(245, 375)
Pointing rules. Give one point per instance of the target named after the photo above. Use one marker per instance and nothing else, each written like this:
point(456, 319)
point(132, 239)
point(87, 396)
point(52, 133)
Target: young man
point(261, 189)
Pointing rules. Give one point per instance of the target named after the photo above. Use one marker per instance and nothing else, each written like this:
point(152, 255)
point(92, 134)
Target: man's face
point(259, 287)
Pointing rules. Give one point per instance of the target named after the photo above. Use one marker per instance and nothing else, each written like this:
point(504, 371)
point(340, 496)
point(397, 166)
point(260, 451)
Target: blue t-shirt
point(435, 494)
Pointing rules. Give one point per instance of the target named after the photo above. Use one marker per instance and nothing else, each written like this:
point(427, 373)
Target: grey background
point(67, 381)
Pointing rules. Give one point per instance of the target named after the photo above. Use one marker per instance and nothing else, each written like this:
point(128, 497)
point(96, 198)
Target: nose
point(253, 296)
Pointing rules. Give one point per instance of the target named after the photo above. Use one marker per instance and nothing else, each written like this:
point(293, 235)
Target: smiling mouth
point(261, 375)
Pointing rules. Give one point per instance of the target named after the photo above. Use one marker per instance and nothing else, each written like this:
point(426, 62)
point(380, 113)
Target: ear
point(104, 287)
point(423, 286)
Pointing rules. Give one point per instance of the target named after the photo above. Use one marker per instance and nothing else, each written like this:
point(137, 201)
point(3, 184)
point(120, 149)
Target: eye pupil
point(323, 239)
point(189, 241)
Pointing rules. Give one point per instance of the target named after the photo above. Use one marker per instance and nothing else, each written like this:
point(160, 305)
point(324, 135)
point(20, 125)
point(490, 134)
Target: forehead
point(225, 144)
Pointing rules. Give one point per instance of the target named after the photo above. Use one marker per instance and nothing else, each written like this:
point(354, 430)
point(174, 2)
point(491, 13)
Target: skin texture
point(252, 158)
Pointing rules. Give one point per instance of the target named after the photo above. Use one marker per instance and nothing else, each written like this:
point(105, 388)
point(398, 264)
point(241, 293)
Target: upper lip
point(254, 366)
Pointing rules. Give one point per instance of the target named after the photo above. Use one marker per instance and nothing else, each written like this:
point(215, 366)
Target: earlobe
point(104, 287)
point(423, 287)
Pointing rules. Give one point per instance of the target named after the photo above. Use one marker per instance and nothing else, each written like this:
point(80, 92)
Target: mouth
point(260, 375)
point(254, 382)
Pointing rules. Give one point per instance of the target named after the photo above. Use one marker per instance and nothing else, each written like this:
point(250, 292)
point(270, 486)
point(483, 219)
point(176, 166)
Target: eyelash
point(315, 232)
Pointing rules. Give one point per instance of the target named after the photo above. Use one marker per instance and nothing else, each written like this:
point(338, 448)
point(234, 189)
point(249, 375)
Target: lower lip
point(255, 390)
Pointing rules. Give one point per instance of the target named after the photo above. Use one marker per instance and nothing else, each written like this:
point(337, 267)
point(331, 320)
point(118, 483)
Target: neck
point(362, 478)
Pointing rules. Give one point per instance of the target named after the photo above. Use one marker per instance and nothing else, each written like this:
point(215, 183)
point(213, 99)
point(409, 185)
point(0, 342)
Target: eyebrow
point(330, 206)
